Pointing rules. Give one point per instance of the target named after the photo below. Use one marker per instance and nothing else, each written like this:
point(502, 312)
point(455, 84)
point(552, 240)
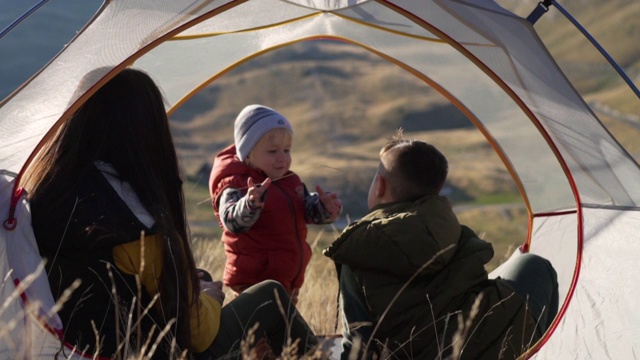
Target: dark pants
point(357, 322)
point(267, 305)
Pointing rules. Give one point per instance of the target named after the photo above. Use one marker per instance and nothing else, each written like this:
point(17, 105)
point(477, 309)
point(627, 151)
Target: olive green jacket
point(421, 272)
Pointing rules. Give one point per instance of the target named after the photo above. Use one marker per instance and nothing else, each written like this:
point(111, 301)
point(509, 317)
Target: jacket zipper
point(295, 230)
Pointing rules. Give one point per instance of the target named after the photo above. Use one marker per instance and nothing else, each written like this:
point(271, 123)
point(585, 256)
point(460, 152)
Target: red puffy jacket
point(275, 247)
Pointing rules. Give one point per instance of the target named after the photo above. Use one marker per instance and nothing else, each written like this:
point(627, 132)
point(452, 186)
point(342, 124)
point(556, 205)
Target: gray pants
point(534, 278)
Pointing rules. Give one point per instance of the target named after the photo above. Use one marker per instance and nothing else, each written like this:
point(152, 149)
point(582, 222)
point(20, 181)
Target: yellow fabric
point(204, 332)
point(127, 258)
point(205, 321)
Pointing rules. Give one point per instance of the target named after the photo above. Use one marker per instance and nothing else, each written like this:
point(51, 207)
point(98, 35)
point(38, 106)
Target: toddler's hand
point(330, 201)
point(256, 194)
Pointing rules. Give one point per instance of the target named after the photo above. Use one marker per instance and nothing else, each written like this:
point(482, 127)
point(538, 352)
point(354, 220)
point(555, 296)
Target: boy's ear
point(381, 189)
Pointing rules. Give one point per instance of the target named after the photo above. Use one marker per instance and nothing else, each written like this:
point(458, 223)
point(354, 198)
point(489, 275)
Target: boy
point(264, 207)
point(411, 276)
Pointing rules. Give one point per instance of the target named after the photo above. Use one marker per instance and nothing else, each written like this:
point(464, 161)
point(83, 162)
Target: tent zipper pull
point(11, 222)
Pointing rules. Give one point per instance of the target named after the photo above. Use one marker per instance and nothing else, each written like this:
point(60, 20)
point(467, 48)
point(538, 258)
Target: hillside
point(343, 101)
point(351, 95)
point(341, 107)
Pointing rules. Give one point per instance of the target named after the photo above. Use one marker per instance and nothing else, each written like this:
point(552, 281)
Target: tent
point(582, 195)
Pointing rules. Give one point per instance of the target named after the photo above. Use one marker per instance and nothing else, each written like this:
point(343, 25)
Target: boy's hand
point(256, 194)
point(330, 201)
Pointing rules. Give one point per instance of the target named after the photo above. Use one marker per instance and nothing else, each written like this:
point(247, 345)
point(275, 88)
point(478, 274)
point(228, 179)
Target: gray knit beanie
point(253, 122)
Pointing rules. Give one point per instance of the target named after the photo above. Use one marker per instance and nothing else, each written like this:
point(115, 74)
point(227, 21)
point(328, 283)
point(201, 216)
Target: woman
point(108, 209)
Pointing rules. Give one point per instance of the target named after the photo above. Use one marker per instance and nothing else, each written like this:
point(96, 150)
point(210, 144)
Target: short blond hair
point(274, 136)
point(413, 168)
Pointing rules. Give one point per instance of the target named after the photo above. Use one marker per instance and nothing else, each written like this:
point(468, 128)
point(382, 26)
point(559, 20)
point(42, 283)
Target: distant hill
point(315, 81)
point(340, 107)
point(328, 101)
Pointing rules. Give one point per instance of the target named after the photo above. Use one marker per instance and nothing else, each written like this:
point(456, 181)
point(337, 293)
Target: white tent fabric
point(30, 326)
point(582, 189)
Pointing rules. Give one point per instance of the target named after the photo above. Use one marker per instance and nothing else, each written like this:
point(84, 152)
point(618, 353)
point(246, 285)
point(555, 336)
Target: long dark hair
point(125, 124)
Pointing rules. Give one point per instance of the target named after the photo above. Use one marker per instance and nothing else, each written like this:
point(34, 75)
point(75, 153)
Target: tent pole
point(22, 18)
point(538, 12)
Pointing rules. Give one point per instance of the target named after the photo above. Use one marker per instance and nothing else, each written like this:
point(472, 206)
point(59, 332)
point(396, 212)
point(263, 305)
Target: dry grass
point(317, 303)
point(505, 228)
point(318, 296)
point(348, 169)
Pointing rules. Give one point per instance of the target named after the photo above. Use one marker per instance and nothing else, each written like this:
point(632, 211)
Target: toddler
point(262, 206)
